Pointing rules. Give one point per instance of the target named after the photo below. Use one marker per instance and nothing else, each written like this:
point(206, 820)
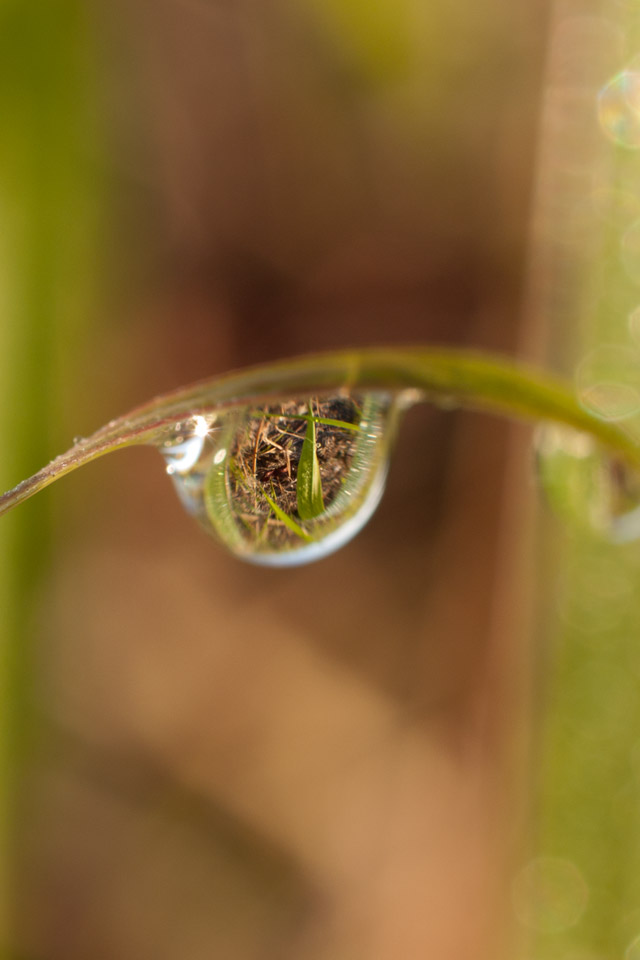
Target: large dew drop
point(287, 483)
point(587, 486)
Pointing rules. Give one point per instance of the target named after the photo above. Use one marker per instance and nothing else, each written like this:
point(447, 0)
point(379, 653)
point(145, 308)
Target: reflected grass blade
point(323, 421)
point(309, 485)
point(288, 521)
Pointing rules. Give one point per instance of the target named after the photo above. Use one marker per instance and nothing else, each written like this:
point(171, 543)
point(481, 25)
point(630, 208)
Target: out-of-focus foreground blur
point(202, 759)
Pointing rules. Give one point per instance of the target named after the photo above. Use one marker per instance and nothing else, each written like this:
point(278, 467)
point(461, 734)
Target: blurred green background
point(580, 896)
point(425, 745)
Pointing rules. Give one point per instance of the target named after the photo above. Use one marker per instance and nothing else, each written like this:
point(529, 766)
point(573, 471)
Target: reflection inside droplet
point(181, 454)
point(619, 109)
point(287, 483)
point(586, 485)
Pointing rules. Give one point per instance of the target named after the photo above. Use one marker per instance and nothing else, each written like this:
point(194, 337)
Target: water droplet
point(586, 486)
point(288, 483)
point(619, 109)
point(608, 382)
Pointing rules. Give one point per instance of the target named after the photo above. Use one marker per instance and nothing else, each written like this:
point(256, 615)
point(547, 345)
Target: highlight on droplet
point(619, 109)
point(183, 450)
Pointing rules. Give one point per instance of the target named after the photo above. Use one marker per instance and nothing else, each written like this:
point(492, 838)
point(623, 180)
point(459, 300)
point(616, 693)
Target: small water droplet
point(288, 483)
point(619, 109)
point(182, 453)
point(608, 382)
point(587, 486)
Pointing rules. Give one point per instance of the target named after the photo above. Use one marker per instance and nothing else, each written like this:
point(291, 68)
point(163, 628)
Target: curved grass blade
point(309, 484)
point(323, 421)
point(447, 376)
point(288, 521)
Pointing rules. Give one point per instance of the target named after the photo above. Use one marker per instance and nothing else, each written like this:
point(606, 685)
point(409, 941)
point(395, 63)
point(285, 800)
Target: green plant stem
point(445, 377)
point(45, 197)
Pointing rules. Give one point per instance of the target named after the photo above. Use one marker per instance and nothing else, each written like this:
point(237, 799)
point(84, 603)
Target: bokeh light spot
point(550, 895)
point(633, 950)
point(619, 109)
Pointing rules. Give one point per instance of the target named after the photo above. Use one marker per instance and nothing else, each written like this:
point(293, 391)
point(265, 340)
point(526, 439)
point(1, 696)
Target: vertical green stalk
point(586, 894)
point(47, 216)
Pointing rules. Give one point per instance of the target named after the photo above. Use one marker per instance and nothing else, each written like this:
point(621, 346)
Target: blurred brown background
point(240, 763)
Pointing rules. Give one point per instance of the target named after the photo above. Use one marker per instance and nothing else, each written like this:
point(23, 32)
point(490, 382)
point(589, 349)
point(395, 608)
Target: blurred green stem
point(44, 96)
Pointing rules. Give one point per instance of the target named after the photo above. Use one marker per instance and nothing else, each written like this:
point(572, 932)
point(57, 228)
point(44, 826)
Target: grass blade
point(324, 421)
point(309, 484)
point(288, 521)
point(461, 378)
